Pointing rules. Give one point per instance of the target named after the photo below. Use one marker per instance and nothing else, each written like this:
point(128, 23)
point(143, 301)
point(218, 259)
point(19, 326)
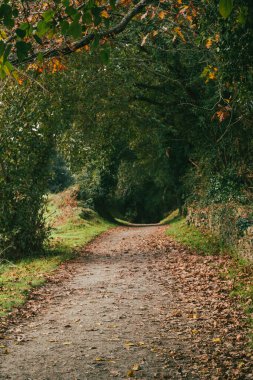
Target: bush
point(27, 145)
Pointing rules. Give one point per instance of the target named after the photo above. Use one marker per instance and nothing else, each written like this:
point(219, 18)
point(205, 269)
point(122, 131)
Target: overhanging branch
point(120, 27)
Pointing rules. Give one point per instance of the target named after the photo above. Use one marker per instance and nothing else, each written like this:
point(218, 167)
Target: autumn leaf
point(105, 14)
point(136, 367)
point(178, 31)
point(161, 15)
point(209, 43)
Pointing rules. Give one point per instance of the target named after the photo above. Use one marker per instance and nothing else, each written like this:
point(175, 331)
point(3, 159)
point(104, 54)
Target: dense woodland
point(147, 106)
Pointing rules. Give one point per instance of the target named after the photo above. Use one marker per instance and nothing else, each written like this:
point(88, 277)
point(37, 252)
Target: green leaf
point(242, 15)
point(23, 49)
point(15, 12)
point(6, 15)
point(64, 27)
point(71, 11)
point(7, 52)
point(5, 11)
point(21, 33)
point(87, 18)
point(42, 28)
point(40, 57)
point(24, 26)
point(75, 29)
point(48, 15)
point(2, 48)
point(96, 15)
point(2, 73)
point(225, 8)
point(8, 68)
point(113, 4)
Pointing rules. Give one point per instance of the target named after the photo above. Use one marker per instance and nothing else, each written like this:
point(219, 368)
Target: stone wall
point(231, 223)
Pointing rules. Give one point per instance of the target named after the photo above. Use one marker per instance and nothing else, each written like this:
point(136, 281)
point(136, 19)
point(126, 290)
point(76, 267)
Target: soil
point(134, 304)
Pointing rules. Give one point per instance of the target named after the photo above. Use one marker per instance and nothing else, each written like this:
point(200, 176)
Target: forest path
point(135, 305)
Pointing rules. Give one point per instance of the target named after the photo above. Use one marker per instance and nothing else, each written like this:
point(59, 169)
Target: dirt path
point(137, 305)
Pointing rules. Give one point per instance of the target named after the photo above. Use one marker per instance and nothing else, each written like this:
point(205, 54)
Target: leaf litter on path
point(150, 310)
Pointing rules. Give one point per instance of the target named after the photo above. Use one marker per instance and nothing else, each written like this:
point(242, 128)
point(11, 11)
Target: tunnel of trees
point(147, 106)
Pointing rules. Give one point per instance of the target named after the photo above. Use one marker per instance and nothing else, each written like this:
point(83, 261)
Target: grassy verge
point(240, 270)
point(70, 231)
point(191, 237)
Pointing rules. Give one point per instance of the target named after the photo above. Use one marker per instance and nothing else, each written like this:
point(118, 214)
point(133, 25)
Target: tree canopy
point(148, 103)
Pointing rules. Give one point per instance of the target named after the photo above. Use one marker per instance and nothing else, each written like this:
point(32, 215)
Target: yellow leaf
point(217, 340)
point(189, 18)
point(211, 75)
point(217, 38)
point(178, 31)
point(3, 35)
point(128, 345)
point(161, 15)
point(209, 43)
point(104, 14)
point(136, 367)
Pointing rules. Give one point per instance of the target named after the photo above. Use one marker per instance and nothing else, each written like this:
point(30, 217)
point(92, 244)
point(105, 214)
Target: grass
point(172, 217)
point(70, 231)
point(123, 222)
point(190, 236)
point(240, 270)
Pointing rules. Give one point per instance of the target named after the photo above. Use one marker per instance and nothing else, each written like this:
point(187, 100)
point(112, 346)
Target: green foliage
point(60, 176)
point(19, 277)
point(73, 225)
point(27, 143)
point(224, 188)
point(143, 134)
point(243, 223)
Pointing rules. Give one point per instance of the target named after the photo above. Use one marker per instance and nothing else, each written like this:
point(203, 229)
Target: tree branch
point(120, 27)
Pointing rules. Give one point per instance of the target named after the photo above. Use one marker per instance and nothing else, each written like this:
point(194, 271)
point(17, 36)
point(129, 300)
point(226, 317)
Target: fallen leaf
point(136, 367)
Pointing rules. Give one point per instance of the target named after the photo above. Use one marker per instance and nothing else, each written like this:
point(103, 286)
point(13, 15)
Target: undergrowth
point(69, 232)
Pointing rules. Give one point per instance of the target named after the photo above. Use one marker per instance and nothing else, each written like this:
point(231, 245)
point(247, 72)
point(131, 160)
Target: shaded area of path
point(136, 305)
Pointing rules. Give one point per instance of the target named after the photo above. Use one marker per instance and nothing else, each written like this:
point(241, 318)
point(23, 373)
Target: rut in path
point(137, 307)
